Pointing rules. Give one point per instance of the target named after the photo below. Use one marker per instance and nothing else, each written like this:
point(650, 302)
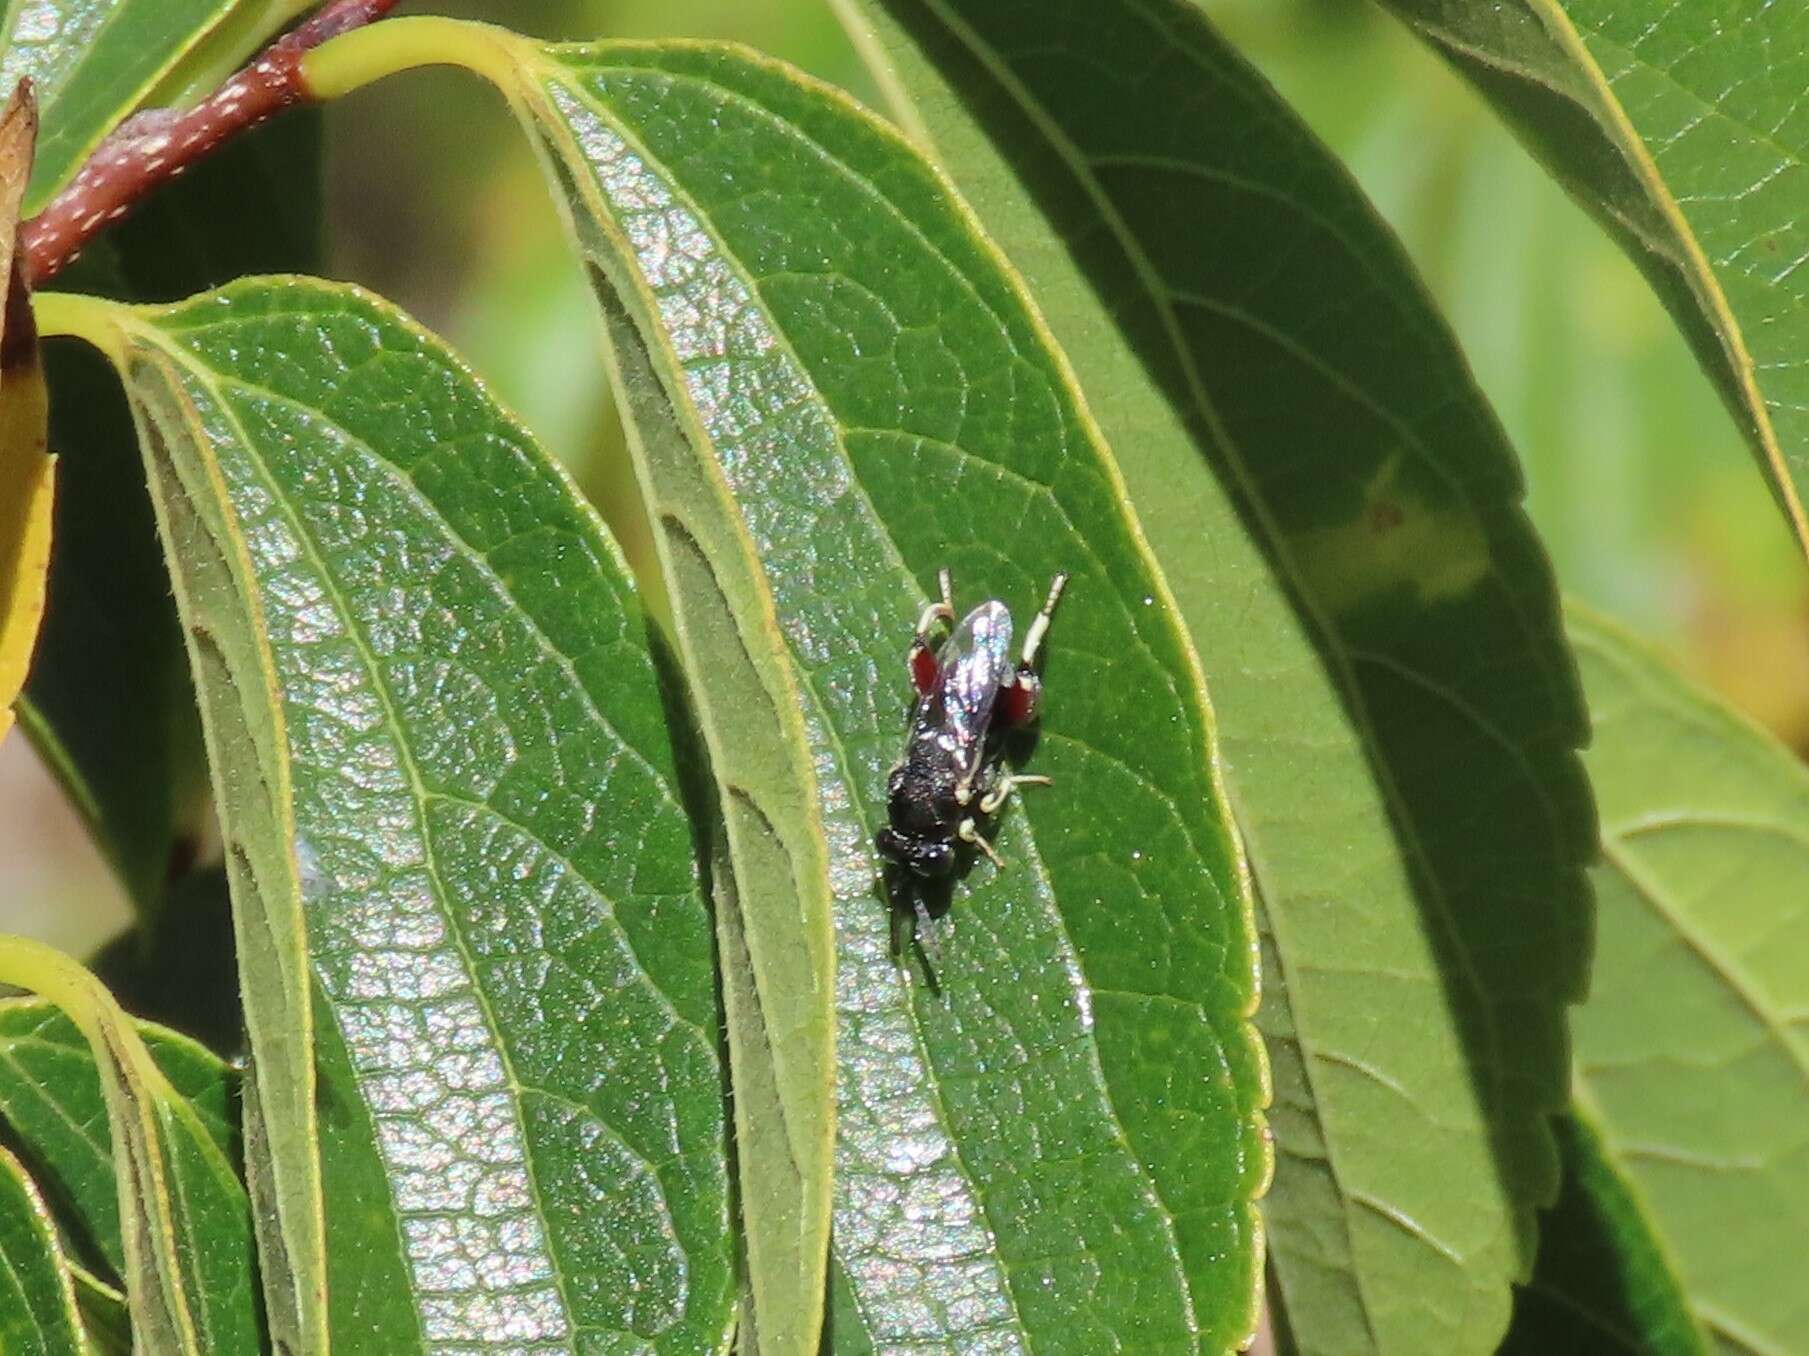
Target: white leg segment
point(1039, 625)
point(1001, 792)
point(968, 834)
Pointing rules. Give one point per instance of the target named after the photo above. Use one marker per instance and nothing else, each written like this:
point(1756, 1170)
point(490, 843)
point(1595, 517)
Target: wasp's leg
point(1039, 625)
point(1000, 791)
point(927, 937)
point(967, 833)
point(1022, 696)
point(921, 661)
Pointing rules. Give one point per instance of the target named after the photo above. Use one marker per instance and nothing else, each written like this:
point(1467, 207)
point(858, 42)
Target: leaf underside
point(1690, 1052)
point(53, 1102)
point(769, 876)
point(184, 1228)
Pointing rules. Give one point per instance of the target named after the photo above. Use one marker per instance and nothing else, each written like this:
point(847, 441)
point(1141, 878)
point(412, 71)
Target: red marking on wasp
point(1018, 701)
point(924, 668)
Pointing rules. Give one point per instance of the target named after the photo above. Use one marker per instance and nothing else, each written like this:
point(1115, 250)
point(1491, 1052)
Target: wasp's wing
point(974, 662)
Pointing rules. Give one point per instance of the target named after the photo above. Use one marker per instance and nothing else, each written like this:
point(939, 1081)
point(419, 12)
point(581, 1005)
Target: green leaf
point(373, 1302)
point(769, 872)
point(1691, 1052)
point(106, 1318)
point(1602, 1284)
point(37, 1300)
point(93, 61)
point(1059, 1148)
point(1676, 128)
point(51, 1094)
point(185, 1223)
point(1338, 515)
point(135, 769)
point(434, 721)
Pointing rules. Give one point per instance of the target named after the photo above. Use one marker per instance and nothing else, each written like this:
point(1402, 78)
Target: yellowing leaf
point(26, 479)
point(26, 472)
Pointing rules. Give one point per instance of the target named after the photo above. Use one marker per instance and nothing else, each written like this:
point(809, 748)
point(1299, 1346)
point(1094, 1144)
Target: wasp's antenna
point(1039, 627)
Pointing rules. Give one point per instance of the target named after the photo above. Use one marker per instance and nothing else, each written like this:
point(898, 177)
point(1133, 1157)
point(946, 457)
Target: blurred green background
point(1641, 488)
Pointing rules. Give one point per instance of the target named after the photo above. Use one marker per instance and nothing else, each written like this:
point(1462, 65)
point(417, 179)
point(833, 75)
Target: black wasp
point(968, 696)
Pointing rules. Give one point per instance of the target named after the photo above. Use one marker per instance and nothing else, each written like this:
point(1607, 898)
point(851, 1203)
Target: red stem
point(155, 146)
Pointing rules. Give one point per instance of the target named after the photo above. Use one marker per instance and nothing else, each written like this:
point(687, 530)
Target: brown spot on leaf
point(1385, 515)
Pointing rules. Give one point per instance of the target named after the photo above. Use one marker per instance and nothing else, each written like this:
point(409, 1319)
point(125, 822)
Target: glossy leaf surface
point(1691, 1052)
point(1681, 128)
point(1603, 1283)
point(184, 1220)
point(1056, 1144)
point(37, 1301)
point(406, 624)
point(93, 61)
point(52, 1097)
point(1338, 514)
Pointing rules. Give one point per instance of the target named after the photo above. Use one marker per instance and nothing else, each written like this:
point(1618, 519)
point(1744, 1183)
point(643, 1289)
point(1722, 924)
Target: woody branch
point(155, 146)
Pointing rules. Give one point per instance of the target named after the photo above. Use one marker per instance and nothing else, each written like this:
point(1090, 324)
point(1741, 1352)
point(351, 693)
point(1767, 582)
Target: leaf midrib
point(1028, 849)
point(403, 481)
point(875, 196)
point(406, 483)
point(1795, 299)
